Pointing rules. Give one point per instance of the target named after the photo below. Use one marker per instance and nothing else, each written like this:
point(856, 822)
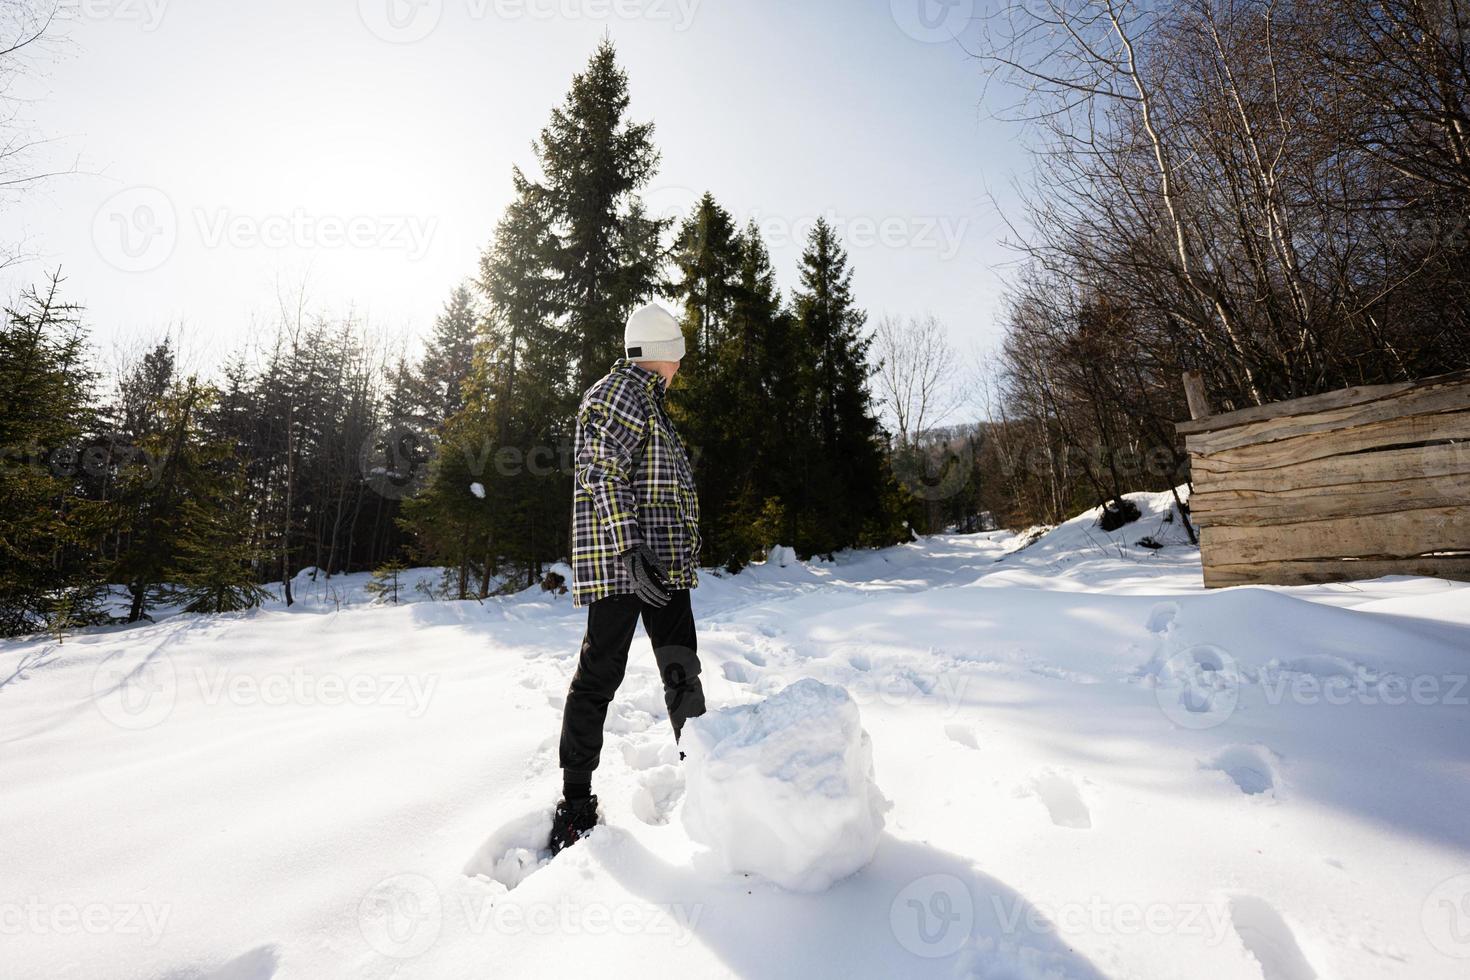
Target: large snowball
point(784, 788)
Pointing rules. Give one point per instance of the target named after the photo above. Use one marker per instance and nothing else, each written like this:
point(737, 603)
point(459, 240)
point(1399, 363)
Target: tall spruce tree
point(527, 395)
point(845, 501)
point(169, 491)
point(706, 258)
point(524, 349)
point(572, 255)
point(593, 163)
point(706, 255)
point(768, 386)
point(518, 401)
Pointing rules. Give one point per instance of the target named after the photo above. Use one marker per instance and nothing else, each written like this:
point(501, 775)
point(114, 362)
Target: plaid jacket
point(634, 485)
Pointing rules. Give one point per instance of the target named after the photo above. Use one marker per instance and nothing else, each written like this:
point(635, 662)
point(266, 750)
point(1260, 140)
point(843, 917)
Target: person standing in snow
point(635, 548)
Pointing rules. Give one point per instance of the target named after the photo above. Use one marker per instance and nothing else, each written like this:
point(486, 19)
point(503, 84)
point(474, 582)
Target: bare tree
point(916, 374)
point(24, 27)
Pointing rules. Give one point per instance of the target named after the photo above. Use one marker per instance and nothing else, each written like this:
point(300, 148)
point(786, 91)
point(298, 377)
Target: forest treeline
point(1272, 194)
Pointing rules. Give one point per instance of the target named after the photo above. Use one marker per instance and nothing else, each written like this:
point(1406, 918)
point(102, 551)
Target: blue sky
point(230, 152)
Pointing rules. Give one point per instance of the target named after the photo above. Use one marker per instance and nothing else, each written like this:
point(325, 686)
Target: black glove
point(650, 576)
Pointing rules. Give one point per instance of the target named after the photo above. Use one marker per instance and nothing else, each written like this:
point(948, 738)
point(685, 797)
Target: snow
point(784, 787)
point(478, 489)
point(1096, 769)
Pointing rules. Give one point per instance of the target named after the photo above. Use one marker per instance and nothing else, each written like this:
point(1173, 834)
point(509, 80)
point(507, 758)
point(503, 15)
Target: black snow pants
point(604, 659)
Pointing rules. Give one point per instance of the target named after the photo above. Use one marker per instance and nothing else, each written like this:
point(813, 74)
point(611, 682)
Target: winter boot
point(574, 820)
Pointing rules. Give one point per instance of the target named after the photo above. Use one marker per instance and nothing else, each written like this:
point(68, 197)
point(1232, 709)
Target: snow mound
point(781, 555)
point(784, 788)
point(1083, 538)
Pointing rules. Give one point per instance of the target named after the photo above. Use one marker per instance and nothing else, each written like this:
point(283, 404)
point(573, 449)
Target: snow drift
point(784, 787)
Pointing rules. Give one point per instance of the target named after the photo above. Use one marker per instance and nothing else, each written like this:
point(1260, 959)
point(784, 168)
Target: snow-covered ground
point(1095, 769)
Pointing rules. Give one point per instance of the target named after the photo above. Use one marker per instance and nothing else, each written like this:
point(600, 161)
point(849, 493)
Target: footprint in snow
point(736, 673)
point(1196, 687)
point(658, 792)
point(648, 752)
point(1161, 617)
point(1063, 802)
point(515, 851)
point(963, 734)
point(544, 757)
point(1269, 939)
point(1251, 767)
point(260, 963)
point(645, 694)
point(625, 719)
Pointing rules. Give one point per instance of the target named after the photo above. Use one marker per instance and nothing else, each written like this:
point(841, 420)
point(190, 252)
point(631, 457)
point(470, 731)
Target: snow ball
point(784, 788)
point(478, 489)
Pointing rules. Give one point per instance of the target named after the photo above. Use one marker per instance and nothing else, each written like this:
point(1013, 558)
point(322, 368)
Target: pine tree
point(768, 441)
point(215, 562)
point(524, 349)
point(707, 256)
point(387, 581)
point(707, 259)
point(446, 362)
point(167, 482)
point(593, 162)
point(845, 502)
point(571, 256)
point(451, 522)
point(49, 534)
point(516, 411)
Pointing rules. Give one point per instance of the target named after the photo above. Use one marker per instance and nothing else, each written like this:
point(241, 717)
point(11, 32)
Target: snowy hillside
point(1095, 769)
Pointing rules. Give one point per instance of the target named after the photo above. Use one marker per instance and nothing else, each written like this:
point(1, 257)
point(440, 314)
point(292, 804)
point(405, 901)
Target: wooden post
point(1194, 392)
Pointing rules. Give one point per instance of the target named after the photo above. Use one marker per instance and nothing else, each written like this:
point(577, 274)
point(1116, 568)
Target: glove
point(650, 576)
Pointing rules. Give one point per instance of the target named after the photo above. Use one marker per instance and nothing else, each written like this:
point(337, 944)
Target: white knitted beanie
point(653, 334)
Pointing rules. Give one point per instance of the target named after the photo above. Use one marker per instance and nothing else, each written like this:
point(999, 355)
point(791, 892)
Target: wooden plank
point(1340, 398)
point(1317, 445)
point(1405, 534)
point(1251, 508)
point(1423, 400)
point(1433, 461)
point(1313, 572)
point(1194, 395)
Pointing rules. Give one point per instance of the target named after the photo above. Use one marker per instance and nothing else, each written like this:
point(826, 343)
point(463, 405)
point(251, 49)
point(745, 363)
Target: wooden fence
point(1352, 484)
